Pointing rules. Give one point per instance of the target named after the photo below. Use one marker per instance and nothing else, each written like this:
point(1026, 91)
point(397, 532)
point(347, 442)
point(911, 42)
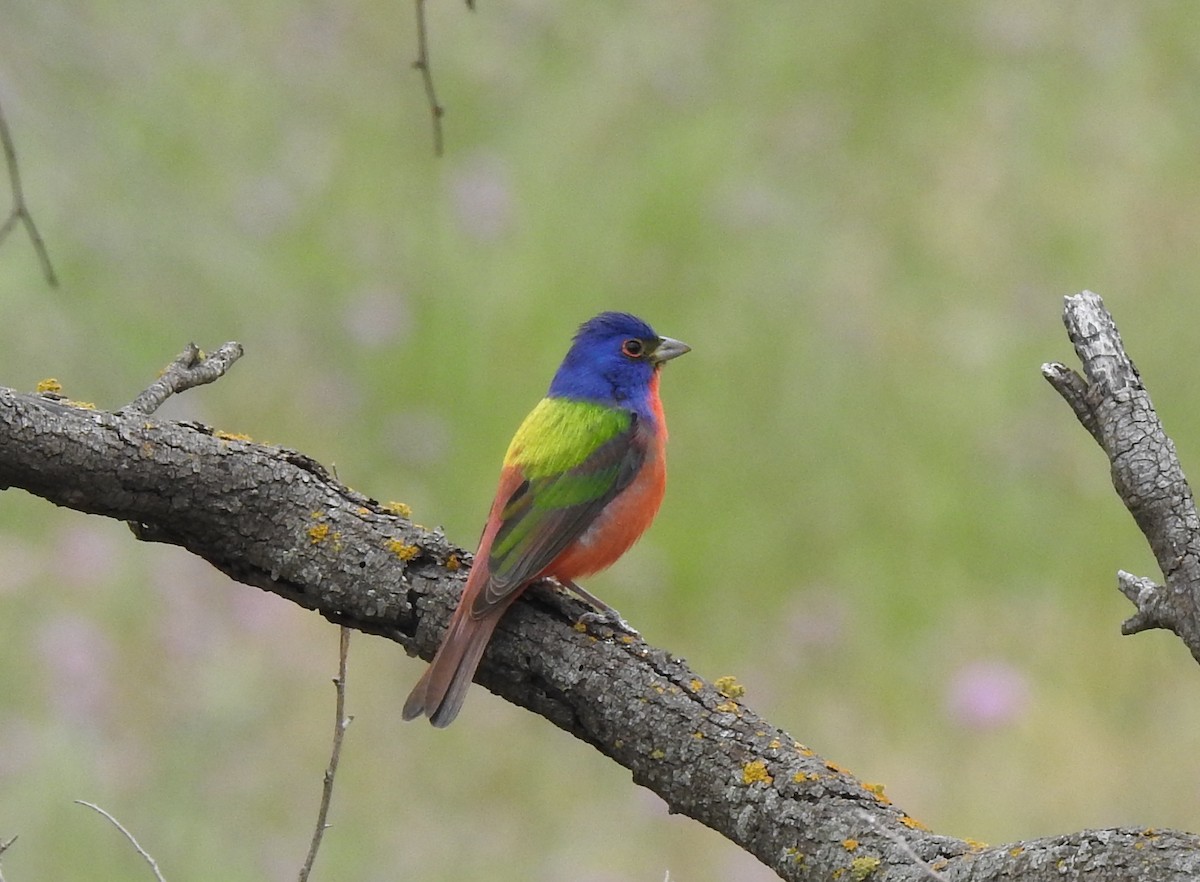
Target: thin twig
point(903, 845)
point(190, 368)
point(339, 729)
point(145, 854)
point(422, 64)
point(20, 211)
point(4, 846)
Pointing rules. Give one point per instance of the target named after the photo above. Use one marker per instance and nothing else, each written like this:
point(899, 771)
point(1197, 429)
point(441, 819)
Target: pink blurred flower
point(987, 694)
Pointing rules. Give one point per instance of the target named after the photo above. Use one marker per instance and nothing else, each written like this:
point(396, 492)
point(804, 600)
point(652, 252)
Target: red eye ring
point(633, 348)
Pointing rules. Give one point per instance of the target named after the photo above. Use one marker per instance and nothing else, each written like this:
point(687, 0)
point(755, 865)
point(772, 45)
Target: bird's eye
point(633, 348)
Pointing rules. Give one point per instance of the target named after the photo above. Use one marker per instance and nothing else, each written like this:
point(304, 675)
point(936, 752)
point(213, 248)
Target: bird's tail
point(440, 692)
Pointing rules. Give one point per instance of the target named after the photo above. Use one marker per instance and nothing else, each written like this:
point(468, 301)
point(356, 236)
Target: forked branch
point(1112, 403)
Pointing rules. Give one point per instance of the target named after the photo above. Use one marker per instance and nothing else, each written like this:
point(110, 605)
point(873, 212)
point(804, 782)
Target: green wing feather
point(575, 457)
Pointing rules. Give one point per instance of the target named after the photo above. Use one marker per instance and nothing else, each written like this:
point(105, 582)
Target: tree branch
point(1113, 405)
point(145, 855)
point(190, 368)
point(19, 213)
point(340, 723)
point(422, 63)
point(274, 518)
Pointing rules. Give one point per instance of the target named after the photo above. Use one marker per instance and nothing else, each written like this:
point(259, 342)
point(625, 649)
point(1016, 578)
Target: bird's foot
point(604, 614)
point(609, 617)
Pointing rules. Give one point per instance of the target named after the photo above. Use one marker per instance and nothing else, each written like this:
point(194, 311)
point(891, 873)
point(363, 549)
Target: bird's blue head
point(613, 360)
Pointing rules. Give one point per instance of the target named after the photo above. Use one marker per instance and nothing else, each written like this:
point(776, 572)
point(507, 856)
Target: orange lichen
point(850, 844)
point(912, 823)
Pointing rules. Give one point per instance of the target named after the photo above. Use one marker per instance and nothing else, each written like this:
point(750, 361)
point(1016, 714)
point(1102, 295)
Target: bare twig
point(4, 846)
point(20, 211)
point(341, 721)
point(191, 368)
point(900, 843)
point(422, 64)
point(145, 854)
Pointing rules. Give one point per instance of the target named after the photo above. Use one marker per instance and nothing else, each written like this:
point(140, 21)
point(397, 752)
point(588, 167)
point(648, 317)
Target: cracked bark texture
point(1113, 405)
point(274, 518)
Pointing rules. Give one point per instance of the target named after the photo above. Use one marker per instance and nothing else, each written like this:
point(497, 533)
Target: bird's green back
point(560, 433)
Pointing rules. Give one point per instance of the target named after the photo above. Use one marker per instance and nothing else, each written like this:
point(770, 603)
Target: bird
point(582, 479)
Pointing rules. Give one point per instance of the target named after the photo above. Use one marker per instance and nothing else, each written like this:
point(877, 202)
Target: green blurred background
point(863, 217)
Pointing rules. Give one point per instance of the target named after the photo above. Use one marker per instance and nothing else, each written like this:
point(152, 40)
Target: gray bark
point(274, 518)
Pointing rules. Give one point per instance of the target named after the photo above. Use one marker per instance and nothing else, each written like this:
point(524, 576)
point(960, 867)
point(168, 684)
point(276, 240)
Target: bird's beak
point(667, 349)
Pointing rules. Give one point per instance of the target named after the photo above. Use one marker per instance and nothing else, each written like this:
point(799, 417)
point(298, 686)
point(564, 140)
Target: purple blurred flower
point(483, 200)
point(78, 659)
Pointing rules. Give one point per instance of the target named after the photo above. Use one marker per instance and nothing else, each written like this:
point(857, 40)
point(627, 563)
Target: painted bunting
point(582, 480)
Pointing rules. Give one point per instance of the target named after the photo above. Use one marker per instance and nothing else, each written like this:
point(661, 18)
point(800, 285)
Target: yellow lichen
point(756, 772)
point(727, 707)
point(49, 385)
point(775, 744)
point(82, 405)
point(834, 767)
point(801, 777)
point(403, 509)
point(975, 844)
point(697, 735)
point(861, 868)
point(362, 511)
point(581, 627)
point(729, 687)
point(850, 844)
point(877, 789)
point(318, 533)
point(912, 823)
point(657, 754)
point(697, 684)
point(1016, 852)
point(453, 563)
point(402, 550)
point(232, 436)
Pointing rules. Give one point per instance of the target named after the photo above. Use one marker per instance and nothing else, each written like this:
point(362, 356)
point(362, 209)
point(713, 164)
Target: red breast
point(630, 513)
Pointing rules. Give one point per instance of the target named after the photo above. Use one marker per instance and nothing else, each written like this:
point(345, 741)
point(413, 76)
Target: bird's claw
point(609, 617)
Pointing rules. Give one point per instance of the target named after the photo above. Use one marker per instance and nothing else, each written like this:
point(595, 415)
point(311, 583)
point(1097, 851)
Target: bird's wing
point(546, 512)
